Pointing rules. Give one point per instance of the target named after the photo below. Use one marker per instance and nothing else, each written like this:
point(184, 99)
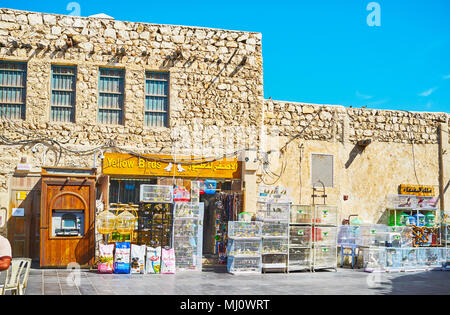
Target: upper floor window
point(322, 170)
point(110, 98)
point(63, 93)
point(12, 89)
point(156, 99)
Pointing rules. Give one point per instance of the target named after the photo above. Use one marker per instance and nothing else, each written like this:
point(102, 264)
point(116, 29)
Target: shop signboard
point(151, 165)
point(417, 190)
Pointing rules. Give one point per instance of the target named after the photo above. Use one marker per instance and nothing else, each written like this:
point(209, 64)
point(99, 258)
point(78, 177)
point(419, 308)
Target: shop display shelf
point(325, 257)
point(325, 215)
point(325, 236)
point(301, 214)
point(243, 265)
point(300, 236)
point(374, 259)
point(274, 246)
point(299, 259)
point(244, 248)
point(249, 230)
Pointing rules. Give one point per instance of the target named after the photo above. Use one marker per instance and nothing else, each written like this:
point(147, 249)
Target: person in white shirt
point(5, 253)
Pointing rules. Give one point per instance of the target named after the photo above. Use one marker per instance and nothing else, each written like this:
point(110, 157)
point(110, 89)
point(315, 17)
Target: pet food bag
point(137, 258)
point(153, 263)
point(106, 258)
point(168, 260)
point(122, 258)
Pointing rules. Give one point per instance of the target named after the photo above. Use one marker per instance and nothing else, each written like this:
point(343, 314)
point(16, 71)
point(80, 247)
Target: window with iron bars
point(12, 89)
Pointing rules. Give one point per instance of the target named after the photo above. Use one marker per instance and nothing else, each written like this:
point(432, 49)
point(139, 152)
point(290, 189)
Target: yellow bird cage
point(106, 222)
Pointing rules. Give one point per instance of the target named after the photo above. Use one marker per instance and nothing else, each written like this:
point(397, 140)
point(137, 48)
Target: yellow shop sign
point(417, 190)
point(149, 165)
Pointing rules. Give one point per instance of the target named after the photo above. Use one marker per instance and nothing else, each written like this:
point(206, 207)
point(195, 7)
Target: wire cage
point(374, 259)
point(300, 236)
point(301, 214)
point(348, 235)
point(275, 246)
point(325, 215)
point(433, 257)
point(405, 235)
point(106, 222)
point(125, 222)
point(241, 229)
point(393, 259)
point(274, 261)
point(325, 257)
point(156, 193)
point(421, 256)
point(275, 229)
point(409, 258)
point(299, 259)
point(244, 248)
point(237, 265)
point(187, 210)
point(370, 234)
point(187, 256)
point(325, 236)
point(155, 223)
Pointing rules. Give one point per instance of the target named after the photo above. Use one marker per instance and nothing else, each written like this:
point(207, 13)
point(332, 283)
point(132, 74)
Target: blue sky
point(319, 51)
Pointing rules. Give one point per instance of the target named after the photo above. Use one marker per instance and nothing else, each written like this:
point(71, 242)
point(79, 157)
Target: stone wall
point(216, 80)
point(334, 123)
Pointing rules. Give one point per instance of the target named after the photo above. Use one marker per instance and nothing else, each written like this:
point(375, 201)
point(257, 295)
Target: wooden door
point(70, 196)
point(23, 231)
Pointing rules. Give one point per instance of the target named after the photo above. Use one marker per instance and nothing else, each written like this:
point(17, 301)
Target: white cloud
point(362, 96)
point(428, 92)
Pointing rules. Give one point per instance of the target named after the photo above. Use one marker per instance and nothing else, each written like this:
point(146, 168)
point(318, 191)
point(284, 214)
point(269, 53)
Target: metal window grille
point(156, 99)
point(110, 98)
point(12, 89)
point(63, 93)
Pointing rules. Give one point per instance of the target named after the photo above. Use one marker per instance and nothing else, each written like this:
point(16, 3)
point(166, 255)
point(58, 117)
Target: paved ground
point(344, 281)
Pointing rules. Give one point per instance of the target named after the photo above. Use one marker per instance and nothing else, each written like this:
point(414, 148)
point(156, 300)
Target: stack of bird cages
point(300, 238)
point(405, 235)
point(275, 235)
point(325, 237)
point(371, 234)
point(374, 259)
point(349, 235)
point(409, 259)
point(433, 257)
point(188, 236)
point(244, 247)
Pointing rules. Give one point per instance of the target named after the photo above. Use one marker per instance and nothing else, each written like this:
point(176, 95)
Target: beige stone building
point(75, 89)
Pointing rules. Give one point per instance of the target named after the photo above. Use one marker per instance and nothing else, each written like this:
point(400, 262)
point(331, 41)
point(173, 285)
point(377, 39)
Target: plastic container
point(411, 220)
point(420, 219)
point(398, 220)
point(430, 219)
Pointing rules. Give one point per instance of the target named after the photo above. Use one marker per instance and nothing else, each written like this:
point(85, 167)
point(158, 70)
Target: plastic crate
point(393, 258)
point(300, 236)
point(401, 202)
point(348, 235)
point(374, 259)
point(325, 257)
point(275, 229)
point(238, 265)
point(275, 246)
point(325, 236)
point(244, 248)
point(301, 214)
point(156, 193)
point(299, 258)
point(240, 229)
point(187, 210)
point(325, 215)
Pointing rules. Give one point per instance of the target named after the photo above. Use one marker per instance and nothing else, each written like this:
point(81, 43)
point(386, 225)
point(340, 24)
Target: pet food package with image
point(122, 258)
point(153, 263)
point(137, 258)
point(106, 258)
point(168, 260)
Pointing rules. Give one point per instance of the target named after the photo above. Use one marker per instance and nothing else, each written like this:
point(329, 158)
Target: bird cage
point(106, 222)
point(125, 223)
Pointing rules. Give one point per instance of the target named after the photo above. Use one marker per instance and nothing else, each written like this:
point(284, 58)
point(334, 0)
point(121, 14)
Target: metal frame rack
point(244, 247)
point(155, 224)
point(300, 238)
point(275, 234)
point(188, 235)
point(325, 237)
